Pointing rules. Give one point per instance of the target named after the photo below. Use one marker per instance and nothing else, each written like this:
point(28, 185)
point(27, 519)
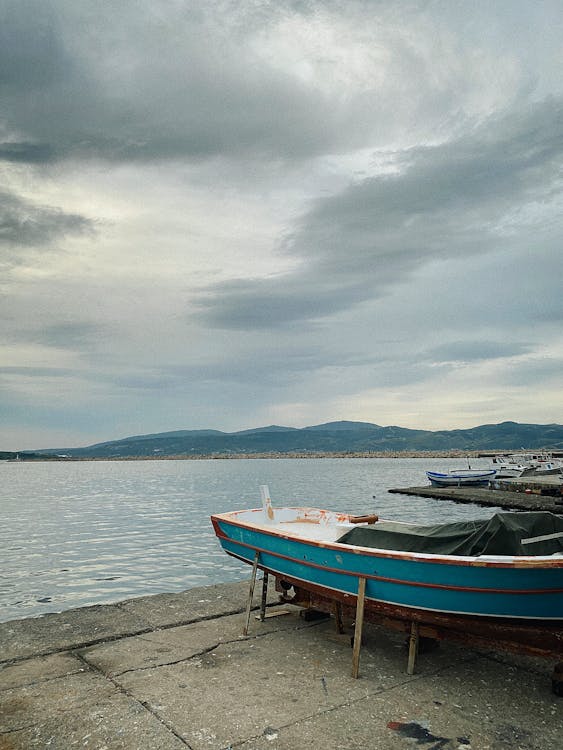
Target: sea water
point(94, 532)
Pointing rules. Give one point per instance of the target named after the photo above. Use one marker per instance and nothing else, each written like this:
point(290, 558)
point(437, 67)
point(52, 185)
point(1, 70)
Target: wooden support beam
point(251, 593)
point(359, 627)
point(413, 648)
point(337, 611)
point(264, 597)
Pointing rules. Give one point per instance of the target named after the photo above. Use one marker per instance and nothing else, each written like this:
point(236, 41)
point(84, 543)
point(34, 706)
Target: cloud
point(76, 335)
point(287, 81)
point(538, 371)
point(26, 152)
point(32, 52)
point(136, 84)
point(26, 224)
point(273, 302)
point(452, 200)
point(473, 351)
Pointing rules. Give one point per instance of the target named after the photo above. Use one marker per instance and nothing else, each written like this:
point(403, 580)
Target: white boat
point(526, 464)
point(461, 477)
point(508, 467)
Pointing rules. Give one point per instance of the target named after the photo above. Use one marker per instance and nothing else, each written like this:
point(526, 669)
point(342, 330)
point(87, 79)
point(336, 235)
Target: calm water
point(76, 534)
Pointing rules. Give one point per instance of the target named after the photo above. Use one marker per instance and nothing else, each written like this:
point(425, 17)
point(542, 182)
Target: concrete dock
point(172, 671)
point(540, 493)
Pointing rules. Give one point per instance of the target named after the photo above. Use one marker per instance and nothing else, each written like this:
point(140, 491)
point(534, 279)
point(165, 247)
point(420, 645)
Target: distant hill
point(344, 425)
point(271, 428)
point(332, 437)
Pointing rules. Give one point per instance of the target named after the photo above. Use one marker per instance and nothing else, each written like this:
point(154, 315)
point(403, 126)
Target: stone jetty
point(538, 493)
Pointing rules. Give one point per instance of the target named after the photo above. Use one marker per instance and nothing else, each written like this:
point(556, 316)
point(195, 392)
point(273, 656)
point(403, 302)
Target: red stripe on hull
point(384, 579)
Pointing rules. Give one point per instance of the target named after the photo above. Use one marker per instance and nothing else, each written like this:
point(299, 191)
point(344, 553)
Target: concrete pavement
point(171, 671)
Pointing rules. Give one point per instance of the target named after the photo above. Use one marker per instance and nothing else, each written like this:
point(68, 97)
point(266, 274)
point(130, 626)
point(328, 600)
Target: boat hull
point(464, 479)
point(465, 586)
point(533, 637)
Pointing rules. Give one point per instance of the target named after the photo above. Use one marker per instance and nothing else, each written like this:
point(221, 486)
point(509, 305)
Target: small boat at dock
point(461, 477)
point(509, 567)
point(513, 465)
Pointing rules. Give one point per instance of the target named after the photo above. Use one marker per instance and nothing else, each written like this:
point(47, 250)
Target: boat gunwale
point(543, 562)
point(464, 473)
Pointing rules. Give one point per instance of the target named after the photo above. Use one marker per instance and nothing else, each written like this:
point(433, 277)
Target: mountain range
point(332, 437)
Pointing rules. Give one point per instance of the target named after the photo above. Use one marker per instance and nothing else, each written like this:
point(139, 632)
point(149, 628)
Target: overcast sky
point(234, 213)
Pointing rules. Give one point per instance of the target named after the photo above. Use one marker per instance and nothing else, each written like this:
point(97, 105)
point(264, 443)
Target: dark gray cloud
point(130, 81)
point(25, 224)
point(276, 302)
point(127, 82)
point(447, 201)
point(26, 152)
point(472, 351)
point(32, 52)
point(76, 335)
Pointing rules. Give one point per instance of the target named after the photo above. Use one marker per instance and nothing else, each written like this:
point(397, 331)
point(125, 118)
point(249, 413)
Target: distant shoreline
point(343, 439)
point(256, 456)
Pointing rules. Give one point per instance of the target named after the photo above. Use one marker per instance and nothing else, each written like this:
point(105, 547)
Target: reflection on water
point(76, 534)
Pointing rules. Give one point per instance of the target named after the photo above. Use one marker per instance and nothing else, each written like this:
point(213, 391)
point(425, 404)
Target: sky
point(235, 213)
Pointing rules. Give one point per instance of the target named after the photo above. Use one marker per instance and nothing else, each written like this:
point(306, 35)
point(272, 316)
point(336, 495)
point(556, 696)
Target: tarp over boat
point(500, 535)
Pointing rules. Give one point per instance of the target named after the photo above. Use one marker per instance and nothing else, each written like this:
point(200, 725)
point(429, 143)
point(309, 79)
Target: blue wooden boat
point(328, 553)
point(461, 477)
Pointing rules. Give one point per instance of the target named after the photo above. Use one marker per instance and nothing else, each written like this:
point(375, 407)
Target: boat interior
point(517, 534)
point(306, 523)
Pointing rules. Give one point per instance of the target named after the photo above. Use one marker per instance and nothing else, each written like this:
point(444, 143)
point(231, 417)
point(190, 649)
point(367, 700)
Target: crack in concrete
point(348, 704)
point(36, 725)
point(207, 650)
point(146, 706)
point(162, 720)
point(41, 680)
point(171, 663)
point(238, 639)
point(73, 647)
point(4, 732)
point(239, 743)
point(119, 636)
point(313, 716)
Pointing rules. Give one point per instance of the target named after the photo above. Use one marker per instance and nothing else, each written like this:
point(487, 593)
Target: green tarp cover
point(500, 535)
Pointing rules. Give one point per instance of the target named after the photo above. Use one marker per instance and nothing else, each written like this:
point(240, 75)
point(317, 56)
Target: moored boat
point(461, 477)
point(513, 465)
point(508, 567)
